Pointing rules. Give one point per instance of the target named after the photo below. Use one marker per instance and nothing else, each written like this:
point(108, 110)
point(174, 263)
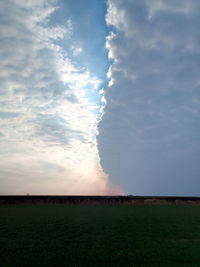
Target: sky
point(100, 97)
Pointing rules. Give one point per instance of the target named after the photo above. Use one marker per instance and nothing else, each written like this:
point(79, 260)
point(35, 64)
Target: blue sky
point(89, 31)
point(100, 97)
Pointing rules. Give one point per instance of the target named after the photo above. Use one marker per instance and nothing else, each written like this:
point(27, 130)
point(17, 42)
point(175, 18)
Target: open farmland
point(99, 235)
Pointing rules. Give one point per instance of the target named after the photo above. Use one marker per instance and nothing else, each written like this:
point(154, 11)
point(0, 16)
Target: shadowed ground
point(99, 235)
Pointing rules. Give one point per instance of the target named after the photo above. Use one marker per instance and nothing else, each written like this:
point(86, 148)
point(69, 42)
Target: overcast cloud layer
point(149, 136)
point(49, 106)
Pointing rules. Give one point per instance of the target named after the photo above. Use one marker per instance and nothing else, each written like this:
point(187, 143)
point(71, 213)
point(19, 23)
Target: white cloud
point(48, 124)
point(76, 50)
point(149, 133)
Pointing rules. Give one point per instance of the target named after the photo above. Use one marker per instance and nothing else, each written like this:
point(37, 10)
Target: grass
point(99, 235)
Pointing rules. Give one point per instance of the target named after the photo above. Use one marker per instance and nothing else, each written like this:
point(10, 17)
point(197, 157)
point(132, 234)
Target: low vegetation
point(99, 235)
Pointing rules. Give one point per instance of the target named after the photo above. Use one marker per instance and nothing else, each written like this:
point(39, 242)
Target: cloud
point(47, 145)
point(8, 115)
point(149, 133)
point(76, 50)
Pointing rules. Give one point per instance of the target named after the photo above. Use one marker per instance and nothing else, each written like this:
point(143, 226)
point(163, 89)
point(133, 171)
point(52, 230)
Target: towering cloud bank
point(149, 136)
point(48, 108)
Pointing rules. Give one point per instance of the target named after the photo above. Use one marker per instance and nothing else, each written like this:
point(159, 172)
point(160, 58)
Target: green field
point(99, 235)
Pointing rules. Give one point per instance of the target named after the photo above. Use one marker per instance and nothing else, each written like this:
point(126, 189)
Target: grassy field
point(99, 235)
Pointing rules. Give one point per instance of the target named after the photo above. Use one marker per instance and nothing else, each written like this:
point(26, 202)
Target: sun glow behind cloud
point(50, 107)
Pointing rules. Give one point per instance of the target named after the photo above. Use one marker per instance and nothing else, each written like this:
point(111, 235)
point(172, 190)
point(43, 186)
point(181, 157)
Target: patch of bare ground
point(187, 202)
point(154, 201)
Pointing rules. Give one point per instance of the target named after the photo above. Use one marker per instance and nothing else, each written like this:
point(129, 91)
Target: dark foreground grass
point(99, 235)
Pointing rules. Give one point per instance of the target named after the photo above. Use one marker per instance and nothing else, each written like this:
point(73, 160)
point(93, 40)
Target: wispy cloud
point(48, 121)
